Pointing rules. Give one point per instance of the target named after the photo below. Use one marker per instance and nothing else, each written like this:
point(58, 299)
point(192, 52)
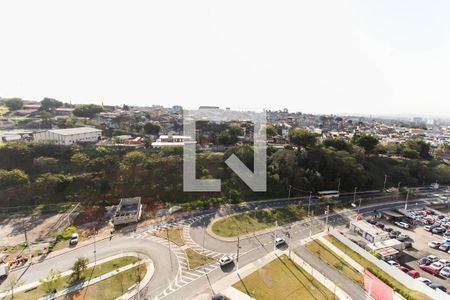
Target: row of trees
point(33, 173)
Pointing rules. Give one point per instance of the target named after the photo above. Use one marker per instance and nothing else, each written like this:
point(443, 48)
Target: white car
point(434, 244)
point(436, 266)
point(445, 262)
point(73, 239)
point(424, 280)
point(433, 258)
point(445, 272)
point(225, 260)
point(402, 225)
point(393, 263)
point(279, 241)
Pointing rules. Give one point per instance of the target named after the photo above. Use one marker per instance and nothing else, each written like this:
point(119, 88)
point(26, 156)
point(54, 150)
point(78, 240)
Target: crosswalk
point(185, 275)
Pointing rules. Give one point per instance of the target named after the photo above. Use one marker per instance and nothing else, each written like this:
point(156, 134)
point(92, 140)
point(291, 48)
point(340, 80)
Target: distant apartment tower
point(68, 136)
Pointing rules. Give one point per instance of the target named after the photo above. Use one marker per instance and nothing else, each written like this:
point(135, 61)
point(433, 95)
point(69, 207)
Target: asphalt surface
point(251, 249)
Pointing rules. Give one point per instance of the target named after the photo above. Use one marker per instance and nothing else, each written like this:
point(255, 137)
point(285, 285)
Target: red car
point(404, 269)
point(414, 274)
point(429, 269)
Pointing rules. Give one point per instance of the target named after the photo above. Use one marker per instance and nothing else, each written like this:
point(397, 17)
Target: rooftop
point(72, 131)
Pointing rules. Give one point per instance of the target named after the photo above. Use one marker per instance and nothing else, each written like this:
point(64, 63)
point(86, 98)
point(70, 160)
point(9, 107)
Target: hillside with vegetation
point(32, 173)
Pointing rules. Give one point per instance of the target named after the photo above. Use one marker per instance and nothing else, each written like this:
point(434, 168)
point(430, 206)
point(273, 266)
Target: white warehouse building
point(68, 136)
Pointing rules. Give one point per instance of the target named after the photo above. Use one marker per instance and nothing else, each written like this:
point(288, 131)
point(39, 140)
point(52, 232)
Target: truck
point(4, 270)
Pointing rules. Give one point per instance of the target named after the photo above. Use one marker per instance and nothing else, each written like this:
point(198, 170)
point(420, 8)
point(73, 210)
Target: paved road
point(349, 286)
point(158, 253)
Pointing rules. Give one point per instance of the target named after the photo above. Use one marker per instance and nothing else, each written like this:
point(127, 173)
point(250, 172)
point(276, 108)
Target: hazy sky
point(372, 57)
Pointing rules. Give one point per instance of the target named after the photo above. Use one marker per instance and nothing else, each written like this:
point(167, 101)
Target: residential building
point(68, 136)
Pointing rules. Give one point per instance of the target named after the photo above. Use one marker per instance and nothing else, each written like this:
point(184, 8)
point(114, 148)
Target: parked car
point(380, 225)
point(427, 227)
point(404, 269)
point(434, 244)
point(225, 260)
point(447, 233)
point(402, 237)
point(73, 239)
point(429, 269)
point(424, 280)
point(445, 272)
point(424, 261)
point(393, 234)
point(413, 273)
point(444, 247)
point(445, 262)
point(437, 265)
point(439, 230)
point(279, 241)
point(403, 225)
point(433, 258)
point(388, 229)
point(393, 263)
point(407, 244)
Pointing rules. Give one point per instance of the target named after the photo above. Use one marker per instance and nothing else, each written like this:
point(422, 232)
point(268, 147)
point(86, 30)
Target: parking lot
point(420, 239)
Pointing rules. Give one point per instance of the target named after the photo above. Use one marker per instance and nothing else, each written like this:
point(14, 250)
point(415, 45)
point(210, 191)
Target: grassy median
point(175, 234)
point(197, 260)
point(389, 280)
point(283, 279)
point(258, 220)
point(66, 281)
point(327, 255)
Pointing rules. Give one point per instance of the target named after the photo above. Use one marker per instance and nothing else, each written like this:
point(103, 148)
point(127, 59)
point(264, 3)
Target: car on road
point(434, 244)
point(413, 273)
point(435, 286)
point(445, 272)
point(279, 241)
point(425, 280)
point(402, 225)
point(73, 239)
point(225, 260)
point(393, 263)
point(394, 233)
point(429, 269)
point(218, 297)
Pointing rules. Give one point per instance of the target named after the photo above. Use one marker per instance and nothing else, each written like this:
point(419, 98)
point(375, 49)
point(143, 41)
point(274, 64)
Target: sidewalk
point(344, 256)
point(35, 284)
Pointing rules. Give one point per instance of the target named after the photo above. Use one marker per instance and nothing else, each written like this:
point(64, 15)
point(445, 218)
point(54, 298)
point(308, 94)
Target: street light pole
point(237, 255)
point(309, 202)
point(327, 211)
point(384, 185)
point(406, 200)
point(354, 195)
point(289, 195)
point(275, 236)
point(168, 243)
point(339, 184)
point(310, 224)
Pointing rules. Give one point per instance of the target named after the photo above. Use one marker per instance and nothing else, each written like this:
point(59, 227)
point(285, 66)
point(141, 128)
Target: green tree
point(88, 110)
point(271, 131)
point(13, 103)
point(45, 164)
point(365, 141)
point(50, 105)
point(411, 153)
point(79, 266)
point(302, 138)
point(13, 178)
point(338, 144)
point(80, 160)
point(151, 128)
point(422, 147)
point(51, 281)
point(224, 138)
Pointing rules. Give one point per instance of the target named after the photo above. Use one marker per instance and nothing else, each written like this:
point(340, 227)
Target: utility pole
point(275, 236)
point(310, 224)
point(309, 202)
point(95, 248)
point(289, 195)
point(327, 212)
point(406, 200)
point(237, 255)
point(339, 185)
point(354, 195)
point(398, 189)
point(385, 180)
point(168, 242)
point(359, 206)
point(28, 244)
